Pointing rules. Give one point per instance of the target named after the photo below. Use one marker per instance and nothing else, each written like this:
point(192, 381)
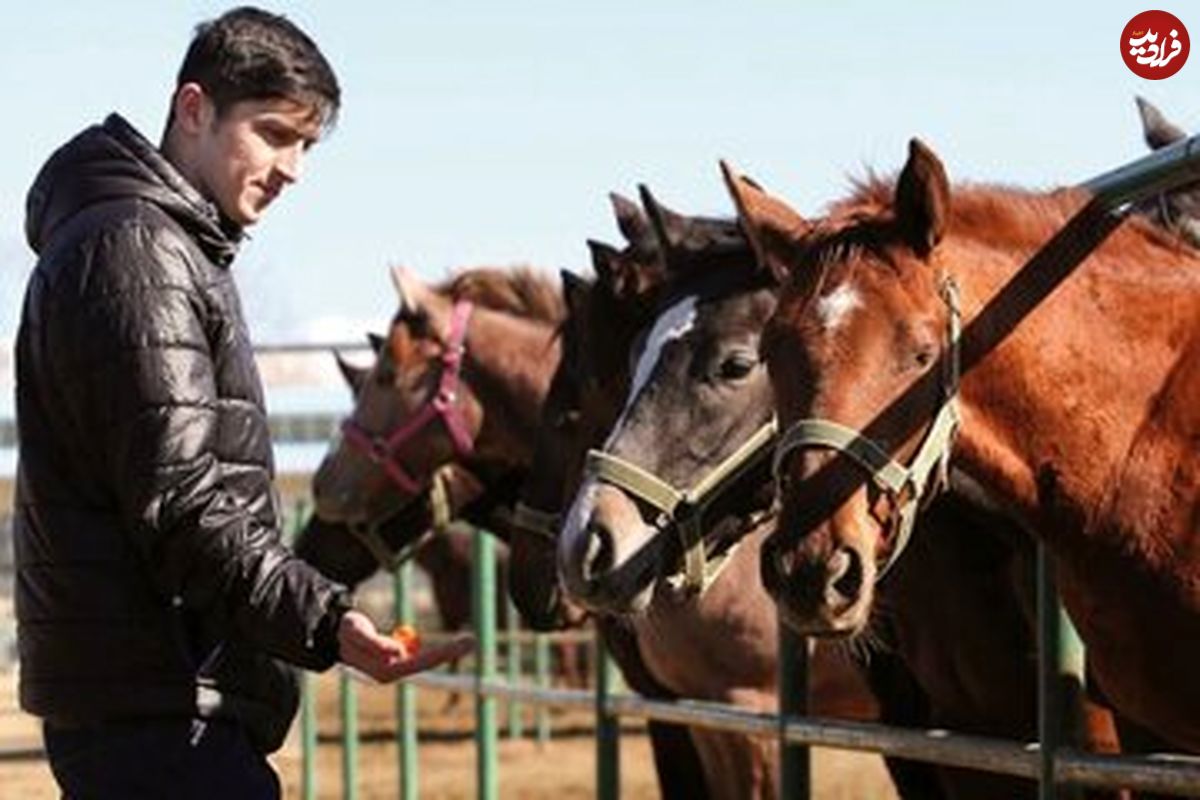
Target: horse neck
point(1052, 400)
point(510, 361)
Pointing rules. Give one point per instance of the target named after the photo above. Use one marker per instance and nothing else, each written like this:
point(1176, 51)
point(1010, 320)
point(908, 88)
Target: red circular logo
point(1155, 45)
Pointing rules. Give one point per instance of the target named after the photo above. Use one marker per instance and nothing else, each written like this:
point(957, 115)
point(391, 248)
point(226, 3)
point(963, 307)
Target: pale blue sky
point(491, 133)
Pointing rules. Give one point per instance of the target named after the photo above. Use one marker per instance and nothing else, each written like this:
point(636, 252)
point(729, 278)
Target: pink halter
point(382, 450)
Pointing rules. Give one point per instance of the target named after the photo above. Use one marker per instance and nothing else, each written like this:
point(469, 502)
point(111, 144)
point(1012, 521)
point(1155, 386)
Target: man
point(154, 595)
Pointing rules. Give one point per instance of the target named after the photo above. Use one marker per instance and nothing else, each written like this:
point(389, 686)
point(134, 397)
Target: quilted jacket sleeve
point(144, 386)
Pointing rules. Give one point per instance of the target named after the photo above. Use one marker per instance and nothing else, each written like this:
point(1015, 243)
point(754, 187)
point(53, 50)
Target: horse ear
point(576, 291)
point(617, 275)
point(670, 227)
point(630, 220)
point(922, 199)
point(354, 376)
point(1157, 129)
point(604, 260)
point(771, 225)
point(412, 292)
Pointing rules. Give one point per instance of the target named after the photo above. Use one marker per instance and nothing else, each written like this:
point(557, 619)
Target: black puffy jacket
point(151, 579)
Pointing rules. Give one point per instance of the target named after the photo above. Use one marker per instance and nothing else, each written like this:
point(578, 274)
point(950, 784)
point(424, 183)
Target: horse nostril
point(845, 576)
point(600, 551)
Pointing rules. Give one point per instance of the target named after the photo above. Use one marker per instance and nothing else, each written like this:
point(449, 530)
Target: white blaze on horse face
point(672, 324)
point(569, 558)
point(834, 308)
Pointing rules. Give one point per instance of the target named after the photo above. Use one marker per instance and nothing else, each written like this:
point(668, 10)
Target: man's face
point(247, 156)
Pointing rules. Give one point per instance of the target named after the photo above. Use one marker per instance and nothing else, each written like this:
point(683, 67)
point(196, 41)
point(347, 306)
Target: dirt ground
point(564, 768)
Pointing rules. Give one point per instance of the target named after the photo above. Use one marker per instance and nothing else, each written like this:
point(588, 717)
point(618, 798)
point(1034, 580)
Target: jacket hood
point(113, 161)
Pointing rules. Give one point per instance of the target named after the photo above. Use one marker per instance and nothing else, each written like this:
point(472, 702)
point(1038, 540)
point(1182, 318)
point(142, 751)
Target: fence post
point(349, 706)
point(406, 693)
point(308, 737)
point(608, 734)
point(483, 597)
point(512, 666)
point(795, 770)
point(1060, 678)
point(541, 667)
point(308, 693)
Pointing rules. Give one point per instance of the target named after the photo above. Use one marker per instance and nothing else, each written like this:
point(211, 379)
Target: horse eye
point(737, 367)
point(566, 418)
point(925, 357)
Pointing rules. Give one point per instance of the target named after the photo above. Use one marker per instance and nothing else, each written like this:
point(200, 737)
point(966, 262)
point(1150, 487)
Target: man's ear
point(192, 109)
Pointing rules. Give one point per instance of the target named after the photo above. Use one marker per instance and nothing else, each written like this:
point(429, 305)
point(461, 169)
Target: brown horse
point(465, 368)
point(423, 530)
point(1079, 404)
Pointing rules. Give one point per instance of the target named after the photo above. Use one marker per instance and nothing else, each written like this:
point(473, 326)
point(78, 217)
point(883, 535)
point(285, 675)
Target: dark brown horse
point(1079, 403)
point(602, 317)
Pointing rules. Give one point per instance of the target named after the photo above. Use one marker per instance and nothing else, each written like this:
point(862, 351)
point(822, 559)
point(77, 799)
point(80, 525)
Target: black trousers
point(159, 758)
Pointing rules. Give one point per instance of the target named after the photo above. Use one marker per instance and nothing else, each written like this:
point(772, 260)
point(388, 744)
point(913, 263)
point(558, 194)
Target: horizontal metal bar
point(1177, 775)
point(1164, 774)
point(523, 637)
point(30, 753)
point(276, 348)
point(531, 694)
point(1161, 171)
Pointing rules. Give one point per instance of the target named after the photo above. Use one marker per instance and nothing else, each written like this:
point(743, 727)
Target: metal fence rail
point(1165, 774)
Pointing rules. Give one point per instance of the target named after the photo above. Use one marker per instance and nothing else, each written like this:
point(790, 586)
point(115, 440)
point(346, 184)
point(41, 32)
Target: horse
point(704, 398)
point(587, 377)
point(1048, 350)
point(461, 377)
point(603, 317)
point(424, 531)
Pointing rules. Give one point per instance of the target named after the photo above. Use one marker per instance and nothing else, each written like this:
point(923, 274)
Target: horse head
point(603, 317)
point(695, 394)
point(865, 320)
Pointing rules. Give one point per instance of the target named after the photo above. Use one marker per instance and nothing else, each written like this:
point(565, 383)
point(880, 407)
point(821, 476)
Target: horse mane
point(520, 291)
point(1022, 219)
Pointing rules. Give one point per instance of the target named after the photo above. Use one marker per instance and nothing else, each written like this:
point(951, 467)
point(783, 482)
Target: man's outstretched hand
point(385, 659)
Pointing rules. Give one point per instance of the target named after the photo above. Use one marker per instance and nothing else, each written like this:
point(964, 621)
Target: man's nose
point(289, 163)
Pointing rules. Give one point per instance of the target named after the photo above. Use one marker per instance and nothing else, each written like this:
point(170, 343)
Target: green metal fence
point(1053, 765)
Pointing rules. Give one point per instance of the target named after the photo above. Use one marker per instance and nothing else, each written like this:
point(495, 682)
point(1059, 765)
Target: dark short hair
point(251, 54)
